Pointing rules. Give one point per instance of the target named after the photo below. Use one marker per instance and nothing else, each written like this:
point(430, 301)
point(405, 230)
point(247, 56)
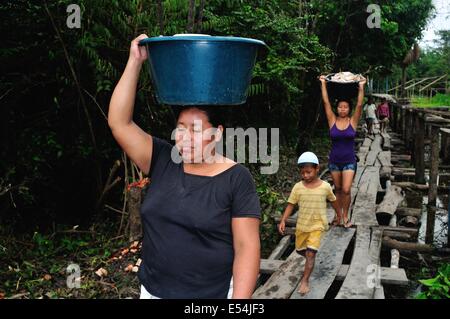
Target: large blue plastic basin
point(201, 69)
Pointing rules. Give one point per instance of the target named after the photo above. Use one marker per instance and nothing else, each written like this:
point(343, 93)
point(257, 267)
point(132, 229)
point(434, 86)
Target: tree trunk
point(198, 24)
point(394, 196)
point(402, 91)
point(160, 17)
point(392, 243)
point(407, 211)
point(134, 206)
point(191, 16)
point(409, 221)
point(309, 114)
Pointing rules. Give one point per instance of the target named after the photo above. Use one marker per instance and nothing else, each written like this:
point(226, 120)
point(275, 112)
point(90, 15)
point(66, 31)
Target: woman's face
point(195, 137)
point(343, 109)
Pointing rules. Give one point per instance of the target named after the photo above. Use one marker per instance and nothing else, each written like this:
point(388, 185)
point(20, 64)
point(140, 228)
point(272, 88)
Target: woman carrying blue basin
point(201, 213)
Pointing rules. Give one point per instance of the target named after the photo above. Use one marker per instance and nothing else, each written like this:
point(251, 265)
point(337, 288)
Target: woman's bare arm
point(331, 117)
point(246, 244)
point(132, 139)
point(358, 110)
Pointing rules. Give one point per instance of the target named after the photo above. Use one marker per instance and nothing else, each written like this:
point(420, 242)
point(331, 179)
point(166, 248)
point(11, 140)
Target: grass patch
point(437, 100)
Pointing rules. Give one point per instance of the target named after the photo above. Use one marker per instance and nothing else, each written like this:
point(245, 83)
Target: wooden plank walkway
point(364, 277)
point(328, 261)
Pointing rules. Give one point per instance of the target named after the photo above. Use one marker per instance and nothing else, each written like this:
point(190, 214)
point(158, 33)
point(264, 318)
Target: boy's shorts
point(307, 240)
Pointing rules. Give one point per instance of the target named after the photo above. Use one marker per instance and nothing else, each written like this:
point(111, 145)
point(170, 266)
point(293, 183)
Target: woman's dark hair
point(217, 114)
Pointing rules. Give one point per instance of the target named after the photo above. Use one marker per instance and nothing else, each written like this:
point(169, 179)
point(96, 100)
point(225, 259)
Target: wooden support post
point(405, 138)
point(395, 254)
point(432, 191)
point(419, 149)
point(445, 145)
point(395, 116)
point(403, 121)
point(446, 132)
point(409, 128)
point(413, 136)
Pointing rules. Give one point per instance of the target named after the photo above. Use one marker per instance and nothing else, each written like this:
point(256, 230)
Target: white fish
point(345, 77)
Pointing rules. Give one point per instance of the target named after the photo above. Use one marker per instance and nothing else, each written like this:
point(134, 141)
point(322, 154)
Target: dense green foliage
point(56, 83)
point(437, 287)
point(57, 149)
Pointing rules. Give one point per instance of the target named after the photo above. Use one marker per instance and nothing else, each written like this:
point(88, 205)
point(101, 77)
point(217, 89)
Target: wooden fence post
point(403, 122)
point(432, 191)
point(419, 145)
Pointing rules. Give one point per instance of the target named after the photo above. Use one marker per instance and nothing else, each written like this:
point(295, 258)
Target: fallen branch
point(407, 211)
point(109, 185)
point(394, 196)
point(421, 187)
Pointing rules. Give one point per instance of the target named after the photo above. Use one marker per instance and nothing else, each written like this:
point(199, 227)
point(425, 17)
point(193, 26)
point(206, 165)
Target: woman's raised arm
point(132, 139)
point(358, 110)
point(331, 117)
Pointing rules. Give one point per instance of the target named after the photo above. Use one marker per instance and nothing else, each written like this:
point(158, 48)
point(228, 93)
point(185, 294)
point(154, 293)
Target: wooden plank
point(363, 212)
point(269, 266)
point(385, 158)
point(328, 262)
point(375, 148)
point(408, 230)
point(430, 119)
point(357, 282)
point(281, 284)
point(433, 82)
point(367, 142)
point(379, 293)
point(359, 172)
point(388, 276)
point(281, 248)
point(386, 141)
point(362, 154)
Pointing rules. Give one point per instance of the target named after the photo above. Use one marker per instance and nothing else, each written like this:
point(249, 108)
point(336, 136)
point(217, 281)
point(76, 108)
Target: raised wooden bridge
point(363, 277)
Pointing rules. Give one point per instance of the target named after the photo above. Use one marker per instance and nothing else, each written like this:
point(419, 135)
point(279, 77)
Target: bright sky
point(440, 22)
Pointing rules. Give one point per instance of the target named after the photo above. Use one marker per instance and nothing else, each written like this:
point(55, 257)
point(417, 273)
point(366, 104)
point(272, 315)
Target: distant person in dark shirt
point(201, 213)
point(383, 114)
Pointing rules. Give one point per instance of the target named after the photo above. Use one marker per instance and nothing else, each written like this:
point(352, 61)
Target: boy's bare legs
point(309, 266)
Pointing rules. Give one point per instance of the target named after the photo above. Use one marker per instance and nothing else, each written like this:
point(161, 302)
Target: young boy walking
point(311, 195)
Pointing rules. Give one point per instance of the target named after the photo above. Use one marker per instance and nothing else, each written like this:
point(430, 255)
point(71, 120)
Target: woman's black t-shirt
point(187, 247)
